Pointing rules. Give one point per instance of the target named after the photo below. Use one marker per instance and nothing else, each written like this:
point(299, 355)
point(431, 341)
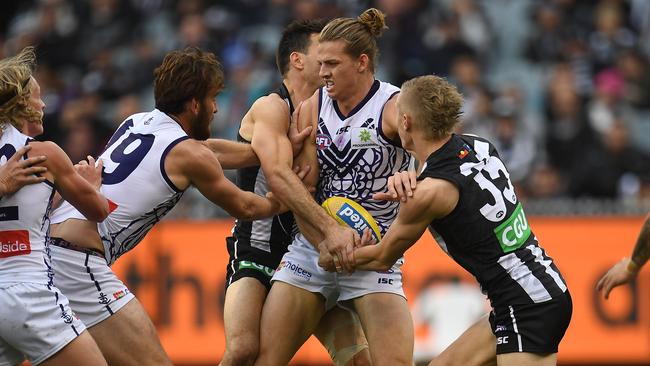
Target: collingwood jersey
point(355, 157)
point(23, 223)
point(272, 234)
point(134, 178)
point(487, 232)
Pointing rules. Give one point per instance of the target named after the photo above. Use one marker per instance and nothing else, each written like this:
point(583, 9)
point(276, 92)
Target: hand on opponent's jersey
point(17, 173)
point(400, 186)
point(91, 171)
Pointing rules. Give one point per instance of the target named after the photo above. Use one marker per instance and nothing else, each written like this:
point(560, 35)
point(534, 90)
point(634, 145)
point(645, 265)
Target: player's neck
point(423, 147)
point(348, 102)
point(182, 121)
point(299, 90)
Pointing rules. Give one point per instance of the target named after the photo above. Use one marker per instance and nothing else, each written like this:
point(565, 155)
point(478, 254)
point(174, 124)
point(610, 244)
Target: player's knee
point(240, 354)
point(362, 358)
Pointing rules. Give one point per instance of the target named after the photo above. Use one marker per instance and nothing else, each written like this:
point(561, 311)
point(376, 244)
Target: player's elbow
point(249, 210)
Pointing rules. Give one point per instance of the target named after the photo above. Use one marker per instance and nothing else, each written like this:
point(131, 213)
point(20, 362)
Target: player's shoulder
point(271, 103)
point(388, 89)
point(47, 148)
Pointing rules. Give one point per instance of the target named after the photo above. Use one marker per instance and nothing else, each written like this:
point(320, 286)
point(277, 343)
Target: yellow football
point(349, 213)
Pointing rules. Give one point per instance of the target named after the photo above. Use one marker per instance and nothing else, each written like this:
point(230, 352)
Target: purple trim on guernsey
point(162, 162)
point(371, 93)
point(381, 118)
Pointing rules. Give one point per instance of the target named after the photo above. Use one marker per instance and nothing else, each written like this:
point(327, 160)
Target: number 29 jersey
point(134, 178)
point(487, 232)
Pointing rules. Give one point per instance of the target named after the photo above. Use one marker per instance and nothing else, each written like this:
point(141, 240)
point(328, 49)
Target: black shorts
point(534, 328)
point(248, 261)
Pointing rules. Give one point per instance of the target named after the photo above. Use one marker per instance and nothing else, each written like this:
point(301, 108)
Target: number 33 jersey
point(134, 178)
point(487, 233)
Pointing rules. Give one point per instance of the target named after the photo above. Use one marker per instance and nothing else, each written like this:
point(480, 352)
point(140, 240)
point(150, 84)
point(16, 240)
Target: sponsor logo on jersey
point(258, 267)
point(14, 242)
point(342, 130)
point(502, 340)
point(385, 281)
point(120, 294)
point(513, 232)
point(501, 328)
point(323, 141)
point(295, 269)
point(364, 137)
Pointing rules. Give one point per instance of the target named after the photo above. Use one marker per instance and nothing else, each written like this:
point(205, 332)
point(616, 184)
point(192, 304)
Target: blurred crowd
point(560, 86)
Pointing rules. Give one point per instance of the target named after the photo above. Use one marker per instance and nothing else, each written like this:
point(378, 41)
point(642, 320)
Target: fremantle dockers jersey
point(487, 232)
point(134, 178)
point(355, 157)
point(274, 233)
point(23, 223)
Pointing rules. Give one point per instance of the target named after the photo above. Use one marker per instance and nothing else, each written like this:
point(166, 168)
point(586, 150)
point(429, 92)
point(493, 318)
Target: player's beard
point(200, 128)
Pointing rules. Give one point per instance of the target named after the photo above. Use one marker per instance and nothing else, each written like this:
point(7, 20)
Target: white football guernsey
point(23, 223)
point(354, 156)
point(134, 178)
point(356, 159)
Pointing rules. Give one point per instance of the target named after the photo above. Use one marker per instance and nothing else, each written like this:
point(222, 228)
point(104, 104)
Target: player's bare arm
point(17, 173)
point(627, 269)
point(190, 163)
point(232, 154)
point(434, 198)
point(72, 186)
point(235, 155)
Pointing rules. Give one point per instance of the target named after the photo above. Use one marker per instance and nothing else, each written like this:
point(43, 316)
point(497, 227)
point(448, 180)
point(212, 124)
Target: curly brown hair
point(434, 104)
point(15, 91)
point(185, 75)
point(360, 34)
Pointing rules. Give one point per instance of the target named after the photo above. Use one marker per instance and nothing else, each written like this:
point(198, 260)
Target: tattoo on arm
point(642, 249)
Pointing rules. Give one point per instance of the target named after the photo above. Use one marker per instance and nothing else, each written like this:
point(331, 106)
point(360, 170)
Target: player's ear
point(194, 106)
point(364, 62)
point(406, 121)
point(296, 60)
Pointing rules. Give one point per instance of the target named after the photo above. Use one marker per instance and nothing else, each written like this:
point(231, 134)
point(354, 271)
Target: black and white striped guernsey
point(487, 233)
point(273, 234)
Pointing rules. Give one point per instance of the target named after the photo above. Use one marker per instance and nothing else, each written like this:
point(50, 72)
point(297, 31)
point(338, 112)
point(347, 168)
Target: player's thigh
point(388, 326)
point(341, 334)
point(526, 359)
point(128, 337)
point(475, 347)
point(242, 312)
point(82, 351)
point(289, 316)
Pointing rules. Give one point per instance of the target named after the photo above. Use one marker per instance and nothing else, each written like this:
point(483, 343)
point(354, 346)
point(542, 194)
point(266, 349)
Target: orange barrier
point(178, 274)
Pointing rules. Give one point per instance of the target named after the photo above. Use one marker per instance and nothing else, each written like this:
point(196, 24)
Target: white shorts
point(299, 267)
point(93, 289)
point(35, 322)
